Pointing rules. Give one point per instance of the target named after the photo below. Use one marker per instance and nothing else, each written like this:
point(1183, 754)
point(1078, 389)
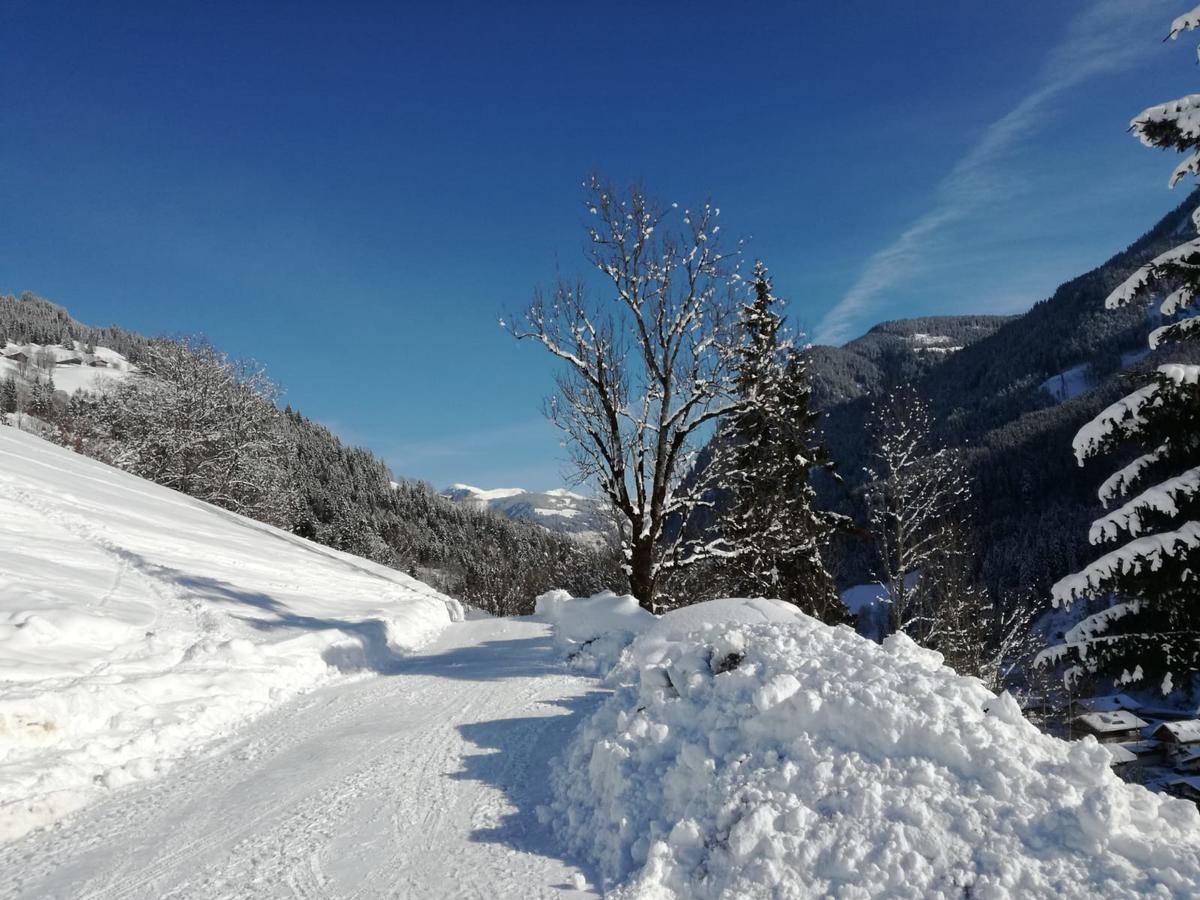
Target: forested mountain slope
point(298, 475)
point(1013, 396)
point(891, 352)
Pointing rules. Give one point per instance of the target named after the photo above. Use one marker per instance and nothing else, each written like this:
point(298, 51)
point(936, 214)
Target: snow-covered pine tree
point(1152, 629)
point(916, 492)
point(8, 395)
point(772, 530)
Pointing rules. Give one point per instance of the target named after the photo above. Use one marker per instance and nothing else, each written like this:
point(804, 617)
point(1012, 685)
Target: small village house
point(1110, 727)
point(1178, 738)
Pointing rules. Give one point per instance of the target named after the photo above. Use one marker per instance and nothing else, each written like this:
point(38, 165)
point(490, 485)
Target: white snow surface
point(1143, 554)
point(1119, 414)
point(1069, 383)
point(470, 492)
point(68, 378)
point(1188, 121)
point(1118, 484)
point(934, 343)
point(1185, 22)
point(138, 624)
point(1162, 498)
point(792, 760)
point(591, 632)
point(420, 784)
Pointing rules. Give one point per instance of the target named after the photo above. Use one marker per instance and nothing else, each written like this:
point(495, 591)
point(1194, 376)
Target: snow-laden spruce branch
point(1148, 579)
point(647, 365)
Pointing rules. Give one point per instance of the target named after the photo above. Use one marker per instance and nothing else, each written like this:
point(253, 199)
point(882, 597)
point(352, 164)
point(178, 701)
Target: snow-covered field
point(90, 372)
point(749, 751)
point(137, 624)
point(1069, 383)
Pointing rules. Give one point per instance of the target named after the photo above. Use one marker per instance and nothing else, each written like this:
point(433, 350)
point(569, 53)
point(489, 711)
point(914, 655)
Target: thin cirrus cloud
point(1102, 39)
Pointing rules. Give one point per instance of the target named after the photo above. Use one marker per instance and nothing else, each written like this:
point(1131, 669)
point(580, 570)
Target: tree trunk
point(642, 577)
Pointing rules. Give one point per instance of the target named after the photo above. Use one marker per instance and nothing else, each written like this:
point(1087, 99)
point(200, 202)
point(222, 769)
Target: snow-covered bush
point(792, 759)
point(591, 632)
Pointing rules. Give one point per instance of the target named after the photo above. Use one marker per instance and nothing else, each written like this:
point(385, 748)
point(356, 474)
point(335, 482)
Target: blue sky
point(352, 193)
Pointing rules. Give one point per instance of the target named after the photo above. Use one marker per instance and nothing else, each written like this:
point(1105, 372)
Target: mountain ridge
point(995, 399)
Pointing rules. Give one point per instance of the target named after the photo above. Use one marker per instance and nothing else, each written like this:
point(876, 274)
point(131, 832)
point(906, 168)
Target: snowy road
point(419, 783)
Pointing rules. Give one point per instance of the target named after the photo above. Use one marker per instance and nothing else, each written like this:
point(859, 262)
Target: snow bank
point(591, 632)
point(137, 624)
point(792, 759)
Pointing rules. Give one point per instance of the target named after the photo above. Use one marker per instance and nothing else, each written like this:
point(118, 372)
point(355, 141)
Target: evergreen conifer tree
point(1151, 630)
point(8, 395)
point(768, 450)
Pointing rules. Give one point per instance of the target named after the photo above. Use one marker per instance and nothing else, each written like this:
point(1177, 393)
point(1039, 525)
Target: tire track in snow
point(418, 784)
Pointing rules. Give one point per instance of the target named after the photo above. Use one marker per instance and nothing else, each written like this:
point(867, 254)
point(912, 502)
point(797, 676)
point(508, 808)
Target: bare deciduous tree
point(914, 493)
point(45, 359)
point(647, 365)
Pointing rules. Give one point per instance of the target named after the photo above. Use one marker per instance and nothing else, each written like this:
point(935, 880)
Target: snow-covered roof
point(1111, 722)
point(1140, 748)
point(1186, 731)
point(1120, 755)
point(1107, 703)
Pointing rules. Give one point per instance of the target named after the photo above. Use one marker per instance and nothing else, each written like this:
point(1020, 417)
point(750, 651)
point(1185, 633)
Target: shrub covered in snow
point(591, 632)
point(791, 759)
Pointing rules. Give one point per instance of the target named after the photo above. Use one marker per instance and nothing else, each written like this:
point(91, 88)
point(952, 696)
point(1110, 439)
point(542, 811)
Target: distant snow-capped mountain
point(558, 510)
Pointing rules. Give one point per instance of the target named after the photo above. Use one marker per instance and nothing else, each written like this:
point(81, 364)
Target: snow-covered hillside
point(137, 623)
point(71, 370)
point(558, 510)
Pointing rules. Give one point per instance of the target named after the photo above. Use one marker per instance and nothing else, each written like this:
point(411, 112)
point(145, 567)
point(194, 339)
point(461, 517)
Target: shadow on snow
point(515, 758)
point(515, 753)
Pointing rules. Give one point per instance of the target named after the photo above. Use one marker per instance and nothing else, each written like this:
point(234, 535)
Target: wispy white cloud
point(1104, 38)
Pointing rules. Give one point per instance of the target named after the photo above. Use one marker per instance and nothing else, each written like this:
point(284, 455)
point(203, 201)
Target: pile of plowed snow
point(137, 624)
point(792, 759)
point(591, 632)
